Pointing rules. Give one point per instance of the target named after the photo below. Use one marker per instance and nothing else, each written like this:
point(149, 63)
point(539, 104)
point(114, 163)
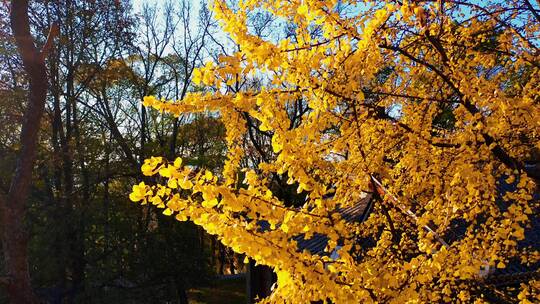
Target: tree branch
point(385, 193)
point(533, 10)
point(54, 30)
point(497, 150)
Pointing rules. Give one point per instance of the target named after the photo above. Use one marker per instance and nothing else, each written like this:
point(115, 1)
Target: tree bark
point(13, 204)
point(181, 290)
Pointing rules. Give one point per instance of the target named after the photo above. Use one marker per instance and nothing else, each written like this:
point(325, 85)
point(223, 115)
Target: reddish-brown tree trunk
point(13, 204)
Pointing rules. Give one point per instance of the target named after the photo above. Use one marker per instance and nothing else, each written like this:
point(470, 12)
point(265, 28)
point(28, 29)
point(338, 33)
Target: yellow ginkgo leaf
point(210, 203)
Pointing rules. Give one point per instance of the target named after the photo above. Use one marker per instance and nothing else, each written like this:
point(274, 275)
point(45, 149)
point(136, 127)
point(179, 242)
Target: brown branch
point(403, 95)
point(438, 46)
point(54, 30)
point(309, 46)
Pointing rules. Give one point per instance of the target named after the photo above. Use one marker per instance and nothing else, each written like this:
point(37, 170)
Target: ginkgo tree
point(435, 102)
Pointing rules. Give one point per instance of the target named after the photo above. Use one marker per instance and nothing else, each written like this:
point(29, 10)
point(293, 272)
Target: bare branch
point(53, 32)
point(533, 10)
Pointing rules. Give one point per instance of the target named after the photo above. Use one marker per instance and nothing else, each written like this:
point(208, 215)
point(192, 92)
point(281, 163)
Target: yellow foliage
point(441, 107)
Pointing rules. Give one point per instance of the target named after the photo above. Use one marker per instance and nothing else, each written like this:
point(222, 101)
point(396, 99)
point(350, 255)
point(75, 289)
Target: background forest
point(399, 137)
point(88, 243)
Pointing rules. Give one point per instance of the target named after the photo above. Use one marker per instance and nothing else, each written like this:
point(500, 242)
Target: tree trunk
point(231, 256)
point(57, 141)
point(222, 258)
point(181, 290)
point(13, 205)
point(259, 281)
point(79, 215)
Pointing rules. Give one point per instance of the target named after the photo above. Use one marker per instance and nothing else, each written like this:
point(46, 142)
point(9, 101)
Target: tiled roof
point(515, 272)
point(318, 242)
point(315, 244)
